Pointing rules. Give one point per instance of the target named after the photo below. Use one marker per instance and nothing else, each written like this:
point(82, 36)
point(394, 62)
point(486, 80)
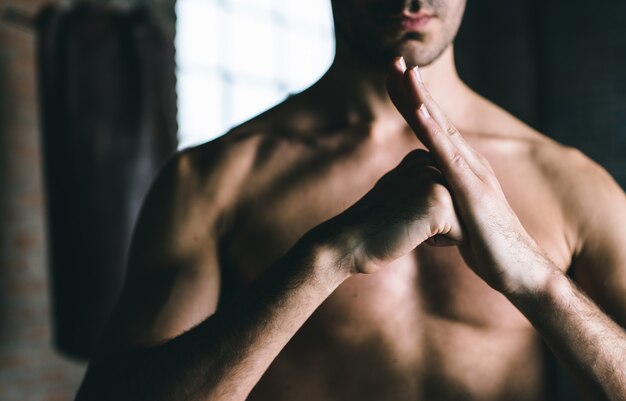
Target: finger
point(419, 157)
point(417, 94)
point(395, 85)
point(450, 160)
point(405, 96)
point(415, 160)
point(398, 95)
point(421, 163)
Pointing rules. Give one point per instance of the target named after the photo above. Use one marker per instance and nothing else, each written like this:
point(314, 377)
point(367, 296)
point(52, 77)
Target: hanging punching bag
point(108, 107)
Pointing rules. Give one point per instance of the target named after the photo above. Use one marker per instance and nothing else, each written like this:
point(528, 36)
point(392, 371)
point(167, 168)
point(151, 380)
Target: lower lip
point(414, 23)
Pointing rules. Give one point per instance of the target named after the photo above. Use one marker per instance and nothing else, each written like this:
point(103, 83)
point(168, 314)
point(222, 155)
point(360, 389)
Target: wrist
point(540, 279)
point(328, 255)
point(544, 300)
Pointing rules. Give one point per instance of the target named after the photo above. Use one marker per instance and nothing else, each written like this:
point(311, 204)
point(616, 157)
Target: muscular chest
point(428, 281)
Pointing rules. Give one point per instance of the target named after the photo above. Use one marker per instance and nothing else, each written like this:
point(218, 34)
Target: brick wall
point(30, 369)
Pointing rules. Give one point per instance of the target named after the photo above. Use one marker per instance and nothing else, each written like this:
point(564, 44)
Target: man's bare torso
point(424, 328)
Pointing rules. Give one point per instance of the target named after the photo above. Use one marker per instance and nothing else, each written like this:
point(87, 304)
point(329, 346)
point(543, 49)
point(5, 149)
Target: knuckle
point(417, 157)
point(411, 157)
point(451, 130)
point(423, 157)
point(421, 153)
point(385, 179)
point(484, 197)
point(491, 180)
point(406, 160)
point(485, 162)
point(441, 207)
point(440, 196)
point(429, 174)
point(490, 169)
point(417, 154)
point(457, 159)
point(435, 129)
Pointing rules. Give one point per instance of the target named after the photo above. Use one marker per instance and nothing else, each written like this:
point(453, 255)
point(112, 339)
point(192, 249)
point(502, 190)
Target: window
point(237, 58)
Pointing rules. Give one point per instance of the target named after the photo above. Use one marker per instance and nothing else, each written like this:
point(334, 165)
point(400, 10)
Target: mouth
point(408, 22)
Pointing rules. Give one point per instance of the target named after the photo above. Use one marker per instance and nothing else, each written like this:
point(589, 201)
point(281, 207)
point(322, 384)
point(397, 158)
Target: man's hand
point(496, 245)
point(407, 206)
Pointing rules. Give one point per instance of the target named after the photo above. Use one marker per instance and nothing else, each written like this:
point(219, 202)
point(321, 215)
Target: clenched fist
point(408, 206)
point(495, 244)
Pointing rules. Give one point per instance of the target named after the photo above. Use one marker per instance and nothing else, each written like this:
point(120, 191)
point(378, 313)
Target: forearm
point(591, 346)
point(587, 341)
point(225, 356)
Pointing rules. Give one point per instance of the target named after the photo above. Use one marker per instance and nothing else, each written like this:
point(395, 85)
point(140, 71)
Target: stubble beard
point(417, 48)
point(377, 55)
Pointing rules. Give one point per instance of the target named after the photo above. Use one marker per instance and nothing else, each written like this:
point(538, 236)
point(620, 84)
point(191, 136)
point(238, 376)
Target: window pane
point(237, 58)
point(250, 99)
point(200, 107)
point(197, 42)
point(306, 59)
point(250, 45)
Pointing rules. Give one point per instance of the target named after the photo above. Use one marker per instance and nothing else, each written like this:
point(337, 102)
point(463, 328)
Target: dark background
point(559, 65)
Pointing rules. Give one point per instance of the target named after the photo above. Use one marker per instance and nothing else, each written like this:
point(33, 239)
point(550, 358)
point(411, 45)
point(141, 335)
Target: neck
point(359, 93)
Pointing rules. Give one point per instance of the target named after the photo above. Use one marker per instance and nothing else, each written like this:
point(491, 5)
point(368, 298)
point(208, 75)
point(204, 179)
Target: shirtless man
point(313, 258)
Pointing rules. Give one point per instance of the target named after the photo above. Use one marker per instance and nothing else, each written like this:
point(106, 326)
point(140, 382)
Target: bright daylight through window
point(237, 58)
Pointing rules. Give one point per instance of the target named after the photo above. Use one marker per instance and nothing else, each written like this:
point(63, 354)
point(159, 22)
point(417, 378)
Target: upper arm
point(599, 266)
point(172, 278)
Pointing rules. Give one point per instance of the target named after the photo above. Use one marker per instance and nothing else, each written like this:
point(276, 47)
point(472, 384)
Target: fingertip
point(399, 64)
point(415, 71)
point(411, 83)
point(410, 75)
point(423, 112)
point(402, 64)
point(396, 86)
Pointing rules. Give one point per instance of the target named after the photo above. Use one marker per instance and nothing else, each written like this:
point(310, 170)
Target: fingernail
point(399, 62)
point(402, 63)
point(424, 111)
point(416, 71)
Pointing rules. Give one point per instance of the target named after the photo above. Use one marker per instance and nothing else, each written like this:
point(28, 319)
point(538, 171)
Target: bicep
point(172, 279)
point(161, 304)
point(600, 267)
point(601, 273)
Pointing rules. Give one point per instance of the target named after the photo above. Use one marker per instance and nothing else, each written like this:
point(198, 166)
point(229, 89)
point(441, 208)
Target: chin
point(414, 55)
point(378, 50)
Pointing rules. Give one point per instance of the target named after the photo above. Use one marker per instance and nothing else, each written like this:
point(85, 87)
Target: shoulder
point(193, 173)
point(595, 204)
point(172, 281)
point(243, 147)
point(193, 191)
point(252, 152)
point(589, 197)
point(586, 192)
point(216, 174)
point(217, 169)
point(568, 171)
